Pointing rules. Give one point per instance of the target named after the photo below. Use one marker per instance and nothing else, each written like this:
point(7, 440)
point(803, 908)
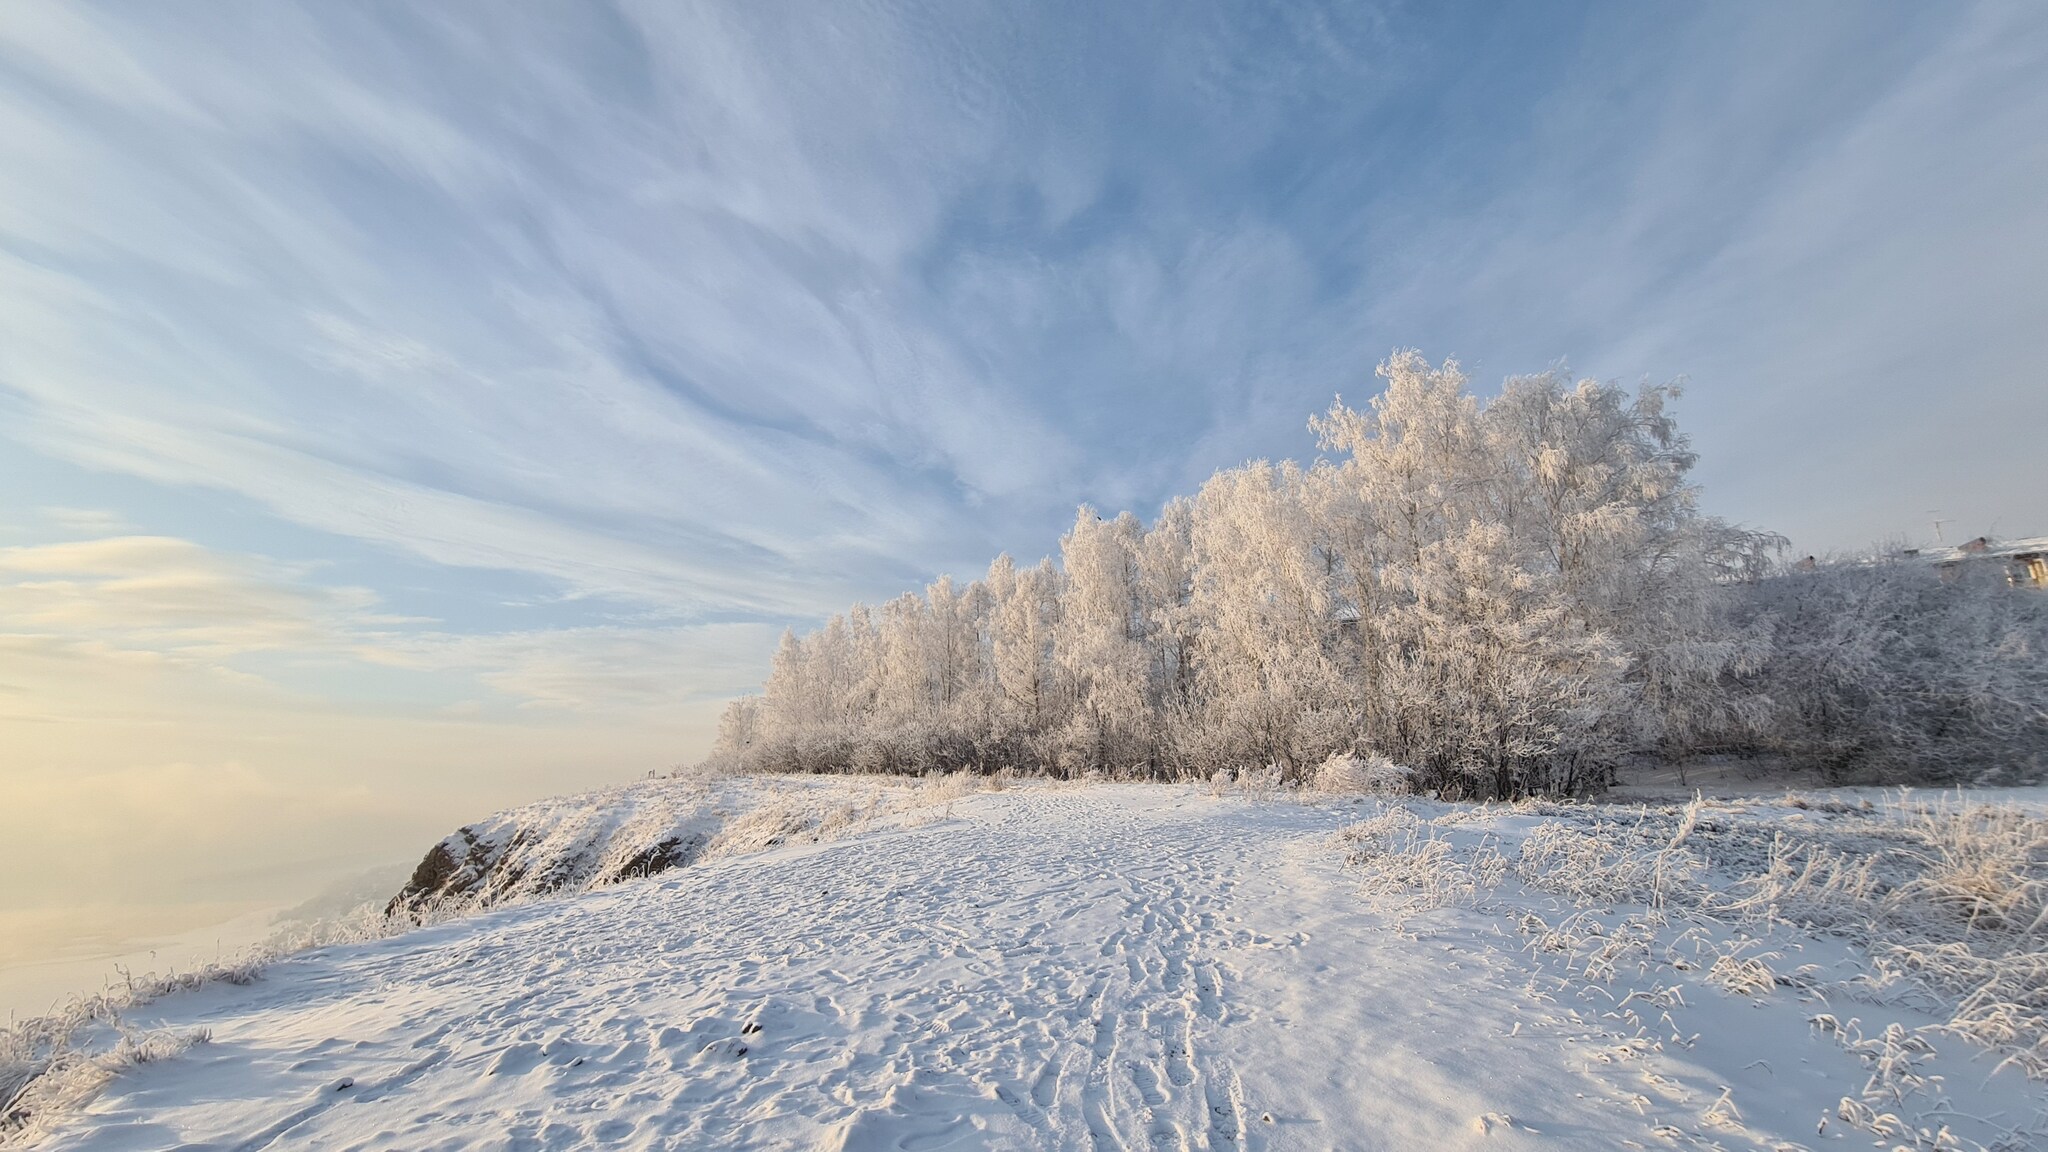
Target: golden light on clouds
point(182, 723)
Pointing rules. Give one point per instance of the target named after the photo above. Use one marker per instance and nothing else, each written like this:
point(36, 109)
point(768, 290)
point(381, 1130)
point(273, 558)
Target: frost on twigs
point(1345, 774)
point(45, 1077)
point(1945, 894)
point(1401, 854)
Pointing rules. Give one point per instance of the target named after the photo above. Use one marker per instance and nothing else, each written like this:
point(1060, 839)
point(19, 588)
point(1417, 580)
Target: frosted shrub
point(1948, 895)
point(1383, 777)
point(1404, 854)
point(798, 818)
point(1742, 975)
point(1805, 884)
point(1603, 866)
point(1882, 668)
point(1375, 836)
point(1974, 923)
point(945, 789)
point(1260, 784)
point(845, 819)
point(1988, 870)
point(768, 826)
point(37, 1087)
point(1346, 775)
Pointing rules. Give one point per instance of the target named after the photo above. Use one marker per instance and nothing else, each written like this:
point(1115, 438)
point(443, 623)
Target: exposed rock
point(567, 845)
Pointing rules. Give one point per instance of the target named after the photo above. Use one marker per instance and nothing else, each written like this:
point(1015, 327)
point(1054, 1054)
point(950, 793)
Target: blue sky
point(498, 381)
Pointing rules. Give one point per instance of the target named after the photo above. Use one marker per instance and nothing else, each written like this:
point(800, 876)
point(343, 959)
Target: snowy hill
point(1109, 966)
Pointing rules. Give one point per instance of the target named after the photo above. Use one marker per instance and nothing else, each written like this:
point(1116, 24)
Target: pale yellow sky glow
point(184, 724)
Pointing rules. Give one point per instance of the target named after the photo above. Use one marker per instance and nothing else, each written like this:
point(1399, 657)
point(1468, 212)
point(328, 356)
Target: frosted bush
point(1948, 895)
point(1377, 835)
point(1260, 784)
point(1371, 775)
point(1883, 668)
point(768, 826)
point(34, 1090)
point(1742, 975)
point(945, 788)
point(1601, 866)
point(1403, 854)
point(1988, 871)
point(802, 817)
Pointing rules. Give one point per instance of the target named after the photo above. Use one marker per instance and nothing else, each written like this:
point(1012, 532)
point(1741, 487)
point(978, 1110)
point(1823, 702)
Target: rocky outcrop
point(574, 843)
point(567, 845)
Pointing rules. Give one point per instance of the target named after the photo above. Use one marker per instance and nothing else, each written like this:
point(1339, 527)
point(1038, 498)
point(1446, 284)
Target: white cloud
point(171, 598)
point(184, 722)
point(84, 521)
point(598, 669)
point(152, 599)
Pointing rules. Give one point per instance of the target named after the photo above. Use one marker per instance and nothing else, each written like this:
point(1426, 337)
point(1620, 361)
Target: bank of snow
point(1107, 966)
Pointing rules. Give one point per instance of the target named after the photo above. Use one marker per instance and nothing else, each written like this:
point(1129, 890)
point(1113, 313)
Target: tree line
point(1510, 597)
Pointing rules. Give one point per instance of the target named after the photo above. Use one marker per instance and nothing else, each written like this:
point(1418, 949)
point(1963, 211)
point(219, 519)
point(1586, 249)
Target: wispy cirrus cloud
point(658, 313)
point(638, 297)
point(83, 521)
point(163, 601)
point(171, 598)
point(565, 354)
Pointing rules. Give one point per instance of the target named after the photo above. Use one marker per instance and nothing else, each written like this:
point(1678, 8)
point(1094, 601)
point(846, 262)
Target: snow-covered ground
point(1110, 966)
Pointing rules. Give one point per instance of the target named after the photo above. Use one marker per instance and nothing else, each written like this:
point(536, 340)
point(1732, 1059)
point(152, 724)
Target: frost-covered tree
point(1024, 618)
point(1495, 685)
point(1172, 631)
point(1594, 480)
point(1507, 596)
point(1887, 669)
point(1100, 642)
point(1261, 595)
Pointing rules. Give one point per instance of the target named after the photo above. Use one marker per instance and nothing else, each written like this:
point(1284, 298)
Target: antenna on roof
point(1938, 522)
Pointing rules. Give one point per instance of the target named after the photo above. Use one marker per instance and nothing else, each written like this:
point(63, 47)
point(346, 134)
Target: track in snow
point(1116, 968)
